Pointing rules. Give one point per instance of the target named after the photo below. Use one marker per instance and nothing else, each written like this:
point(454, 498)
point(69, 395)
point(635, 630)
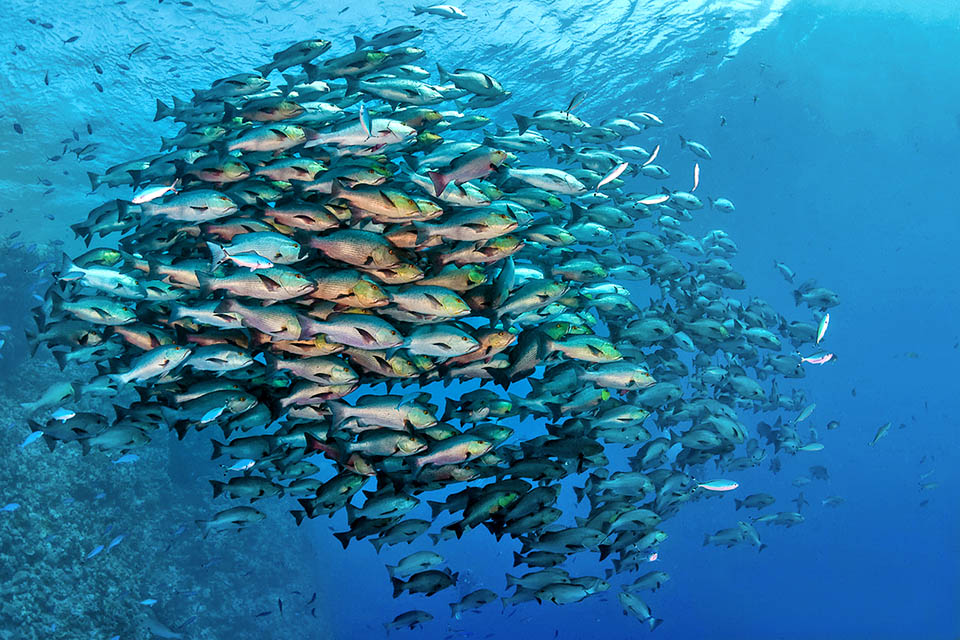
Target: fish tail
point(118, 378)
point(218, 255)
point(439, 181)
point(523, 123)
point(417, 10)
point(443, 72)
point(206, 283)
point(94, 180)
point(298, 515)
point(359, 42)
point(517, 559)
point(163, 111)
point(654, 623)
point(218, 487)
point(217, 449)
point(70, 271)
point(61, 358)
point(706, 539)
point(683, 142)
point(265, 69)
point(338, 411)
point(739, 504)
point(344, 538)
point(204, 527)
point(397, 586)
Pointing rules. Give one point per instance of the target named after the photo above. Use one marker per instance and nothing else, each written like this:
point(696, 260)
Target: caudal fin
point(218, 255)
point(523, 122)
point(94, 180)
point(439, 181)
point(218, 487)
point(163, 111)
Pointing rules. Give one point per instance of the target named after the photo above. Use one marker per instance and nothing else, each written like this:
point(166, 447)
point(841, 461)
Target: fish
point(10, 507)
point(30, 439)
point(719, 485)
point(95, 551)
point(822, 327)
point(331, 242)
point(150, 194)
point(881, 432)
point(442, 10)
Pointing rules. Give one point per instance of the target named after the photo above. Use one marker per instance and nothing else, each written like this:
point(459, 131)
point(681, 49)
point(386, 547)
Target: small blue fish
point(97, 549)
point(107, 531)
point(69, 500)
point(13, 506)
point(115, 542)
point(212, 415)
point(5, 327)
point(100, 496)
point(127, 458)
point(242, 465)
point(180, 529)
point(62, 414)
point(33, 437)
point(148, 602)
point(115, 638)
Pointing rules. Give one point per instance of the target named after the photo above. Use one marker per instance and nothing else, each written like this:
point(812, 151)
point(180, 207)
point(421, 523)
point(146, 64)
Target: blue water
point(842, 123)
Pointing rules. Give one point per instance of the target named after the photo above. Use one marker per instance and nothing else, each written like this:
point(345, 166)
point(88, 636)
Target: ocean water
point(833, 126)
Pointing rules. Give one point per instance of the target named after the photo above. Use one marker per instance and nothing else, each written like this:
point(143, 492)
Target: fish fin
point(398, 585)
point(343, 537)
point(61, 358)
point(94, 182)
point(217, 449)
point(523, 123)
point(218, 487)
point(439, 181)
point(163, 111)
point(298, 515)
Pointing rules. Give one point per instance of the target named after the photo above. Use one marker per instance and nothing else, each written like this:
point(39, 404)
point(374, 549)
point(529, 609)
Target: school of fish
point(334, 246)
